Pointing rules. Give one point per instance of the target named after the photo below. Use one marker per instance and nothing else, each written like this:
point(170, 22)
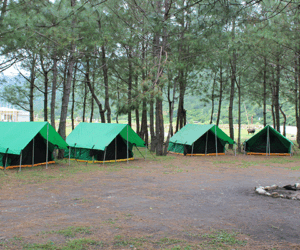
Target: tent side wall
point(86, 154)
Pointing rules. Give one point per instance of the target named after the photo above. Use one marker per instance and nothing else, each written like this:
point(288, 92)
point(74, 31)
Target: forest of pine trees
point(134, 57)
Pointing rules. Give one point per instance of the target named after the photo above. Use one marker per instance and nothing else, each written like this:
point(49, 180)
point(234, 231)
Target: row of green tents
point(26, 144)
point(195, 139)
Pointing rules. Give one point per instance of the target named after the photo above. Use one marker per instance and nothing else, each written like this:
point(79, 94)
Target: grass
point(72, 231)
point(224, 237)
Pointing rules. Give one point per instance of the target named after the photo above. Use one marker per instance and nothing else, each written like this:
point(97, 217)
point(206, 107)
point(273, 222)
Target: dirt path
point(181, 198)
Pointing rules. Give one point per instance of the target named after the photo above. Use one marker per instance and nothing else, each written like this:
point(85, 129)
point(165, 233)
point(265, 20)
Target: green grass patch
point(72, 231)
point(295, 168)
point(224, 237)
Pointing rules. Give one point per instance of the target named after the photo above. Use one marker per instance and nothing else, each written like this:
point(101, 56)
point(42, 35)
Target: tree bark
point(84, 100)
point(212, 101)
point(32, 80)
point(101, 111)
point(67, 86)
point(137, 113)
point(129, 55)
point(233, 80)
point(265, 92)
point(92, 100)
point(53, 92)
point(220, 94)
point(73, 97)
point(276, 96)
point(284, 121)
point(239, 116)
point(105, 77)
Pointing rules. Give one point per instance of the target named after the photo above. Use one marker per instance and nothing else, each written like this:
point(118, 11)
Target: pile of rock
point(288, 192)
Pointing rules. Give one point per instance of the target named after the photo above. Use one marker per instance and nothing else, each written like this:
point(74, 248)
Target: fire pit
point(287, 192)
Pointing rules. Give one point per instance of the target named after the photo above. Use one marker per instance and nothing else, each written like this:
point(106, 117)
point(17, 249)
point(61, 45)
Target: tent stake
point(206, 143)
point(104, 156)
point(127, 143)
point(216, 140)
point(33, 151)
point(47, 145)
point(20, 161)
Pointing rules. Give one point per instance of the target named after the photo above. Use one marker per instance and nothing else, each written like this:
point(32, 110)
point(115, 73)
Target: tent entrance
point(34, 154)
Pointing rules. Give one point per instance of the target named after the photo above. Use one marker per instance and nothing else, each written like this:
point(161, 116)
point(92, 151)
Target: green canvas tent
point(268, 141)
point(199, 140)
point(28, 144)
point(98, 142)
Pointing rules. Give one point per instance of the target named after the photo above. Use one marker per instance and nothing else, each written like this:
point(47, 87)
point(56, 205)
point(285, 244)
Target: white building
point(13, 115)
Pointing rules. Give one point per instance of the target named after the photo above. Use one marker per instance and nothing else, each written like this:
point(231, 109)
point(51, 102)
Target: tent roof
point(192, 132)
point(16, 135)
point(286, 142)
point(100, 135)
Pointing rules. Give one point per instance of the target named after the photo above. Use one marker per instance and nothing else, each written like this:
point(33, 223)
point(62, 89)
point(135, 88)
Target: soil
point(180, 198)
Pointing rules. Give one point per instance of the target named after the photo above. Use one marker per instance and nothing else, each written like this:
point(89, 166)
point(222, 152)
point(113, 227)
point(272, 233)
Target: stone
point(260, 190)
point(275, 195)
point(297, 186)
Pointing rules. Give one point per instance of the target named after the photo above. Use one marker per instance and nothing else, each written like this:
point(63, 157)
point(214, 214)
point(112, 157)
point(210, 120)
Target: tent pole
point(33, 151)
point(192, 149)
point(291, 150)
point(234, 149)
point(69, 155)
point(245, 148)
point(216, 140)
point(127, 144)
point(20, 161)
point(206, 143)
point(5, 159)
point(116, 149)
point(104, 156)
point(47, 145)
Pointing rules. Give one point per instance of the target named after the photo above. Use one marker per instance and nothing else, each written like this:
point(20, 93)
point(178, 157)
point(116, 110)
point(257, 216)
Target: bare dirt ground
point(174, 202)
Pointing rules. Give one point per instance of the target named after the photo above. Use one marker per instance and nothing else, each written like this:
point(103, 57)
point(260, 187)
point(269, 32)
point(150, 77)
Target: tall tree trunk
point(137, 114)
point(53, 92)
point(105, 76)
point(233, 80)
point(220, 94)
point(239, 115)
point(152, 132)
point(171, 112)
point(101, 111)
point(212, 101)
point(284, 121)
point(32, 79)
point(73, 95)
point(46, 97)
point(92, 99)
point(265, 92)
point(276, 96)
point(144, 123)
point(84, 100)
point(67, 86)
point(181, 112)
point(129, 55)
